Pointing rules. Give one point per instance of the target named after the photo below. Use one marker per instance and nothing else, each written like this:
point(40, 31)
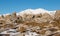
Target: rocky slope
point(38, 22)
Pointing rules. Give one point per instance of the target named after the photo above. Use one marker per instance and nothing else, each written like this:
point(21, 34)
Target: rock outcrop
point(31, 24)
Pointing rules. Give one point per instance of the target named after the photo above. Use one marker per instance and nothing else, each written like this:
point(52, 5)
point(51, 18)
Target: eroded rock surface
point(30, 24)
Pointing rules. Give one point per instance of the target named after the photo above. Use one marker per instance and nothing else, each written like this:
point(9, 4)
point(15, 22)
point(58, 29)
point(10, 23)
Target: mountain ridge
point(33, 11)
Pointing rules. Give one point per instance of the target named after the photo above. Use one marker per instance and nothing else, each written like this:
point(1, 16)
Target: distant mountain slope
point(36, 11)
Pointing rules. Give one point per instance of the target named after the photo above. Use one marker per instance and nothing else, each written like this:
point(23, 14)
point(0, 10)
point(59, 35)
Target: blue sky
point(9, 6)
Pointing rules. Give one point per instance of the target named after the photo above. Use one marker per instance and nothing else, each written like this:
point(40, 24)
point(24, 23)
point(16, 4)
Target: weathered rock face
point(1, 16)
point(2, 23)
point(14, 14)
point(43, 18)
point(56, 34)
point(27, 17)
point(57, 18)
point(7, 17)
point(46, 16)
point(42, 24)
point(57, 14)
point(38, 15)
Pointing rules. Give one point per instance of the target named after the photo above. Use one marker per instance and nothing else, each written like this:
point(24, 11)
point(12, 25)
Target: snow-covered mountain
point(35, 11)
